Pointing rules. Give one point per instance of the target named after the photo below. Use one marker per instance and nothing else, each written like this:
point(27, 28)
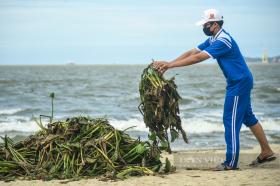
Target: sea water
point(112, 91)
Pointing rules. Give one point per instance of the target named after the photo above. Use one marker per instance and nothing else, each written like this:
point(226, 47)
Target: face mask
point(207, 31)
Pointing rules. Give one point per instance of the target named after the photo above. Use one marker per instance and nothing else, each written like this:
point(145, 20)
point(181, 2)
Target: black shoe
point(259, 161)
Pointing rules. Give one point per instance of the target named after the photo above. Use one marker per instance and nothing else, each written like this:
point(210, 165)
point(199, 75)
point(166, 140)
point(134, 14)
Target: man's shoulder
point(224, 35)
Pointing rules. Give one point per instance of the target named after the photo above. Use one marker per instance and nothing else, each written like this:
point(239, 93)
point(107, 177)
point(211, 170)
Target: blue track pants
point(237, 110)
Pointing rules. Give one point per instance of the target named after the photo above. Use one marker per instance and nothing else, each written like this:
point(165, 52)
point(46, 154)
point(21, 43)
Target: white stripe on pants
point(233, 137)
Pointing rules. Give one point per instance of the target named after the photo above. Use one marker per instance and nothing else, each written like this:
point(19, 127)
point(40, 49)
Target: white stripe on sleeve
point(225, 41)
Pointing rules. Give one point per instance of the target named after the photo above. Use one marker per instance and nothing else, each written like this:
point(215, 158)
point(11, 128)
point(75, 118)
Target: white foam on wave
point(199, 125)
point(124, 124)
point(270, 124)
point(18, 123)
point(10, 111)
point(194, 125)
point(191, 125)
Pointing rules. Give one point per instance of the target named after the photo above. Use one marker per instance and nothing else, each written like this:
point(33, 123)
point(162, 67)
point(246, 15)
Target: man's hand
point(161, 66)
point(190, 58)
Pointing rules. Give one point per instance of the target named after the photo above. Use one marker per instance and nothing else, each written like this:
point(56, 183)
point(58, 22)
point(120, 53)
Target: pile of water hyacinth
point(160, 108)
point(78, 147)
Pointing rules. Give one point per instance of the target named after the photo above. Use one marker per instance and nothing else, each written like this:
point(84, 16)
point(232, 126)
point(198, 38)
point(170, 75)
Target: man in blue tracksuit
point(237, 107)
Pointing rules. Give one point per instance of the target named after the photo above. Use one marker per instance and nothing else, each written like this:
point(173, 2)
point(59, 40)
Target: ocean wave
point(194, 125)
point(7, 81)
point(10, 111)
point(138, 125)
point(28, 126)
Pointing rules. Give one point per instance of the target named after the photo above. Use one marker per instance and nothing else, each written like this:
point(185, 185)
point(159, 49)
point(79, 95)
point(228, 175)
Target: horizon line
point(110, 64)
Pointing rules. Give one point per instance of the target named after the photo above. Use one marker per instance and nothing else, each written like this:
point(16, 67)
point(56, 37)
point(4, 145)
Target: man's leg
point(234, 111)
point(257, 130)
point(251, 121)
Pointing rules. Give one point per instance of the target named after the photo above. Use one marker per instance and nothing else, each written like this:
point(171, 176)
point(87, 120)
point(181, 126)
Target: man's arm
point(162, 66)
point(192, 59)
point(187, 54)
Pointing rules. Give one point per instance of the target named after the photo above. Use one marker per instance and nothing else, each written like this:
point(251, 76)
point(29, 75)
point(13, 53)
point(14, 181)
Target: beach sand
point(193, 168)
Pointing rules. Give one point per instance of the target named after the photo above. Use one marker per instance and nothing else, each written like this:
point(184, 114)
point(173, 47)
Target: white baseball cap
point(210, 15)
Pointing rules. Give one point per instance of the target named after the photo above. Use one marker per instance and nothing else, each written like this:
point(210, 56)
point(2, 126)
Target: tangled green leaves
point(75, 148)
point(160, 107)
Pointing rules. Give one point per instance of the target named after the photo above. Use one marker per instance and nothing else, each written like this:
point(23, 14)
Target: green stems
point(52, 98)
point(77, 147)
point(160, 107)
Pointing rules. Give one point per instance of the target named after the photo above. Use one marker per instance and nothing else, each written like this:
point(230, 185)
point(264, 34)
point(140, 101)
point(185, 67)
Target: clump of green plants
point(160, 108)
point(78, 147)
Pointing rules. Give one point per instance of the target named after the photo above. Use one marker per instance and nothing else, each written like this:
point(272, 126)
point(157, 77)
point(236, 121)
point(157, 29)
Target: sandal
point(223, 167)
point(259, 161)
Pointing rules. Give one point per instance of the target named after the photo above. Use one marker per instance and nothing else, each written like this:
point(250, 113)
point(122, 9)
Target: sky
point(127, 32)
